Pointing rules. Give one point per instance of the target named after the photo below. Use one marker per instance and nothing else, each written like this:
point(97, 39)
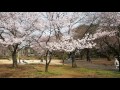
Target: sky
point(65, 29)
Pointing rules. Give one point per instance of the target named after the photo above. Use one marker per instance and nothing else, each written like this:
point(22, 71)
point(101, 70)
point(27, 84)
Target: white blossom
point(68, 44)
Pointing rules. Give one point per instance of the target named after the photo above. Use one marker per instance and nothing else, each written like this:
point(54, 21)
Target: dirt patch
point(95, 64)
point(22, 62)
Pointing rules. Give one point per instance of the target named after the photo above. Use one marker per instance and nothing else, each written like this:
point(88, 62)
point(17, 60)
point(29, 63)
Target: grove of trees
point(64, 32)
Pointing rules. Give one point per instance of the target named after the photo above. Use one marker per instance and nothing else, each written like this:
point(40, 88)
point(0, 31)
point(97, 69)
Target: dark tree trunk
point(46, 67)
point(74, 65)
point(88, 55)
point(14, 58)
point(69, 55)
point(81, 56)
point(63, 58)
point(107, 55)
point(108, 58)
point(48, 60)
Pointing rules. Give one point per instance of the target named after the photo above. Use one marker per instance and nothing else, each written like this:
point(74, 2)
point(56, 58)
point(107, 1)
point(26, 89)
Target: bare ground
point(95, 64)
point(56, 70)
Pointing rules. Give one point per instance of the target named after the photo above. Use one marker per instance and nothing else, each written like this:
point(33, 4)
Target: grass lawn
point(55, 71)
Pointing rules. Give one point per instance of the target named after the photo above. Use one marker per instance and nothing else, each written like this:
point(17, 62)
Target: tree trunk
point(108, 58)
point(74, 65)
point(88, 55)
point(14, 58)
point(46, 67)
point(69, 55)
point(63, 58)
point(81, 55)
point(48, 55)
point(107, 55)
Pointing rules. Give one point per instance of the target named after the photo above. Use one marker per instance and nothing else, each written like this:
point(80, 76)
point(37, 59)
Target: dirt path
point(53, 62)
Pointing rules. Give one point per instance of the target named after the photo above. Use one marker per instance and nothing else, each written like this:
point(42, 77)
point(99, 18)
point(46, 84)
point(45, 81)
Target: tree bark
point(63, 58)
point(46, 67)
point(14, 56)
point(88, 55)
point(48, 57)
point(74, 65)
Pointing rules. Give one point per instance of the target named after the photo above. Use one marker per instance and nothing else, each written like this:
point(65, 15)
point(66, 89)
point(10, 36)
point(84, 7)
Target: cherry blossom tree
point(15, 27)
point(68, 44)
point(39, 46)
point(109, 31)
point(54, 24)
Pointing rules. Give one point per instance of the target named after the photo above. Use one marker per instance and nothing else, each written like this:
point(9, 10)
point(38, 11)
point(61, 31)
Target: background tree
point(109, 31)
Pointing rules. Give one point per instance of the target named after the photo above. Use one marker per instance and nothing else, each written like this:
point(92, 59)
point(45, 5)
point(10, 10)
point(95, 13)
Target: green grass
point(64, 71)
point(55, 71)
